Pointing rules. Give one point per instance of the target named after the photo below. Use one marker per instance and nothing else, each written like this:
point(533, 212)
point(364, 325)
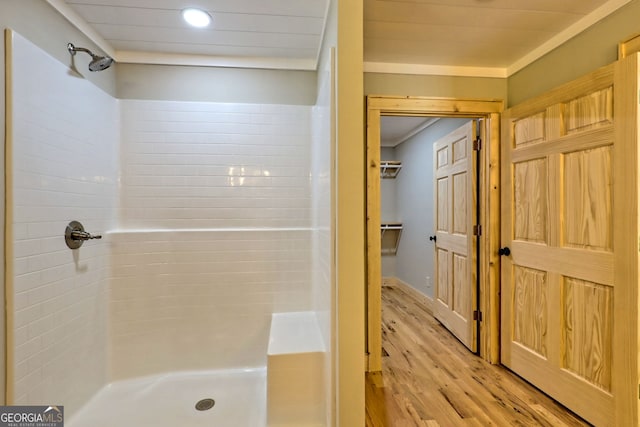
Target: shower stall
point(214, 218)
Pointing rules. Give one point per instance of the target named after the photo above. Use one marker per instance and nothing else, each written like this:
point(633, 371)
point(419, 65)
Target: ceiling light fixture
point(196, 17)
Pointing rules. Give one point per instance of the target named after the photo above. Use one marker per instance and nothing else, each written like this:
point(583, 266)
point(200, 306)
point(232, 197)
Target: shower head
point(98, 63)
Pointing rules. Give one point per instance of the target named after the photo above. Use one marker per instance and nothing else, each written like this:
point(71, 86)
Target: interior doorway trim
point(489, 184)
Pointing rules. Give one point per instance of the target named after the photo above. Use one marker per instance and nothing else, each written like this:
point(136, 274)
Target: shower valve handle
point(83, 235)
point(74, 235)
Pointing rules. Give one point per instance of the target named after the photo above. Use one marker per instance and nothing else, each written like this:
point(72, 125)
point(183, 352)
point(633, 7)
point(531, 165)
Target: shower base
point(169, 400)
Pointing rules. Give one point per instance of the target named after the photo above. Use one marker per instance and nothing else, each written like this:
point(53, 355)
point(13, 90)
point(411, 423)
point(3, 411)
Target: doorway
point(488, 179)
point(428, 209)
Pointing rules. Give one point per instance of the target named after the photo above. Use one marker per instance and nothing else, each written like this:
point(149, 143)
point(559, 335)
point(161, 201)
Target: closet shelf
point(390, 237)
point(389, 169)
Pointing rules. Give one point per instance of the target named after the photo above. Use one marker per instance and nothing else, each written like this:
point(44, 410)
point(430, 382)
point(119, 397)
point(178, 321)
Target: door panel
point(455, 293)
point(442, 215)
point(530, 319)
point(442, 273)
point(461, 296)
point(530, 200)
point(460, 202)
point(588, 210)
point(588, 307)
point(559, 284)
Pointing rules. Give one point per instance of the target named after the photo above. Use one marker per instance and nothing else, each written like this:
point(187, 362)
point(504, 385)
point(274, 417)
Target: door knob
point(504, 251)
point(432, 238)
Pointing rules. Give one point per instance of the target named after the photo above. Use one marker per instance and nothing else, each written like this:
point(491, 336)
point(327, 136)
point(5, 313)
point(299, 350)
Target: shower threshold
point(169, 400)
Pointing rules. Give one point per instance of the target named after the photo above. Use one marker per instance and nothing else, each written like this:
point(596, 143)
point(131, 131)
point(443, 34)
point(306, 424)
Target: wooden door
point(455, 215)
point(570, 220)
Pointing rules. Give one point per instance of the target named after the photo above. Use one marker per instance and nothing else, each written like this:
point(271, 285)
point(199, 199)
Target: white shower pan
point(169, 400)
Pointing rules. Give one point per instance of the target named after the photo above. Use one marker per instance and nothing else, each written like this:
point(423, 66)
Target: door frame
point(489, 220)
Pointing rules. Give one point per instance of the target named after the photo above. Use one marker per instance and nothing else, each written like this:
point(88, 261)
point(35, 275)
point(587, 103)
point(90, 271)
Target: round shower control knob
point(74, 235)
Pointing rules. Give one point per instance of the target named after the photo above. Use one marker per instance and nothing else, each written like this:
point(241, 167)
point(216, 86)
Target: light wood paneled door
point(570, 222)
point(455, 215)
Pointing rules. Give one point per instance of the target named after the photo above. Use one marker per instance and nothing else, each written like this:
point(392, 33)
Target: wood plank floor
point(430, 379)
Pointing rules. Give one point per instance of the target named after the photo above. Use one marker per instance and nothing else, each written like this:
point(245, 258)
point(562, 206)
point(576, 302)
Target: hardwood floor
point(430, 379)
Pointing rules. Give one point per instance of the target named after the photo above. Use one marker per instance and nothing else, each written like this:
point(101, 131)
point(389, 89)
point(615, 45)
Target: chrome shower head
point(98, 63)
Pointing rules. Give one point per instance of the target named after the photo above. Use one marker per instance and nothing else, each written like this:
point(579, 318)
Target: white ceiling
point(270, 33)
point(395, 130)
point(455, 37)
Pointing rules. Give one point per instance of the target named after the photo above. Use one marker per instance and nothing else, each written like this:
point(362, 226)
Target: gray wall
point(180, 83)
point(388, 199)
point(441, 86)
point(414, 260)
point(593, 48)
point(388, 209)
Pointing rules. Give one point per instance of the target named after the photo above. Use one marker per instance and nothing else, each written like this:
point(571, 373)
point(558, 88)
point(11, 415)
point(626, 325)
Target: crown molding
point(434, 70)
point(156, 58)
point(600, 13)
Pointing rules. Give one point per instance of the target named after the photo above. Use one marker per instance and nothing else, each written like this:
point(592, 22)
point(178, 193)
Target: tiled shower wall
point(321, 206)
point(214, 165)
point(64, 163)
point(205, 209)
point(226, 187)
point(202, 299)
point(321, 218)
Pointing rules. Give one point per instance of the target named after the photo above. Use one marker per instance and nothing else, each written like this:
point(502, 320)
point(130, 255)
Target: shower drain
point(205, 404)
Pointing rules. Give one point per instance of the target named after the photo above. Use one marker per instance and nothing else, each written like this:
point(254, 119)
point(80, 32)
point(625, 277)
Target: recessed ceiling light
point(196, 17)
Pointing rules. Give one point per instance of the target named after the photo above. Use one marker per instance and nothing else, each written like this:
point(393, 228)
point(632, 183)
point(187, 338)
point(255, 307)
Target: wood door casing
point(563, 295)
point(489, 278)
point(455, 252)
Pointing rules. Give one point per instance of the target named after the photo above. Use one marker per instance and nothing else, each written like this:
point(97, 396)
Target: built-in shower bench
point(295, 371)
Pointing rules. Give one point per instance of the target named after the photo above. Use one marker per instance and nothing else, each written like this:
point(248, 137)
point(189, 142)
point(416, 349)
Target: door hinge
point(477, 315)
point(477, 144)
point(477, 230)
